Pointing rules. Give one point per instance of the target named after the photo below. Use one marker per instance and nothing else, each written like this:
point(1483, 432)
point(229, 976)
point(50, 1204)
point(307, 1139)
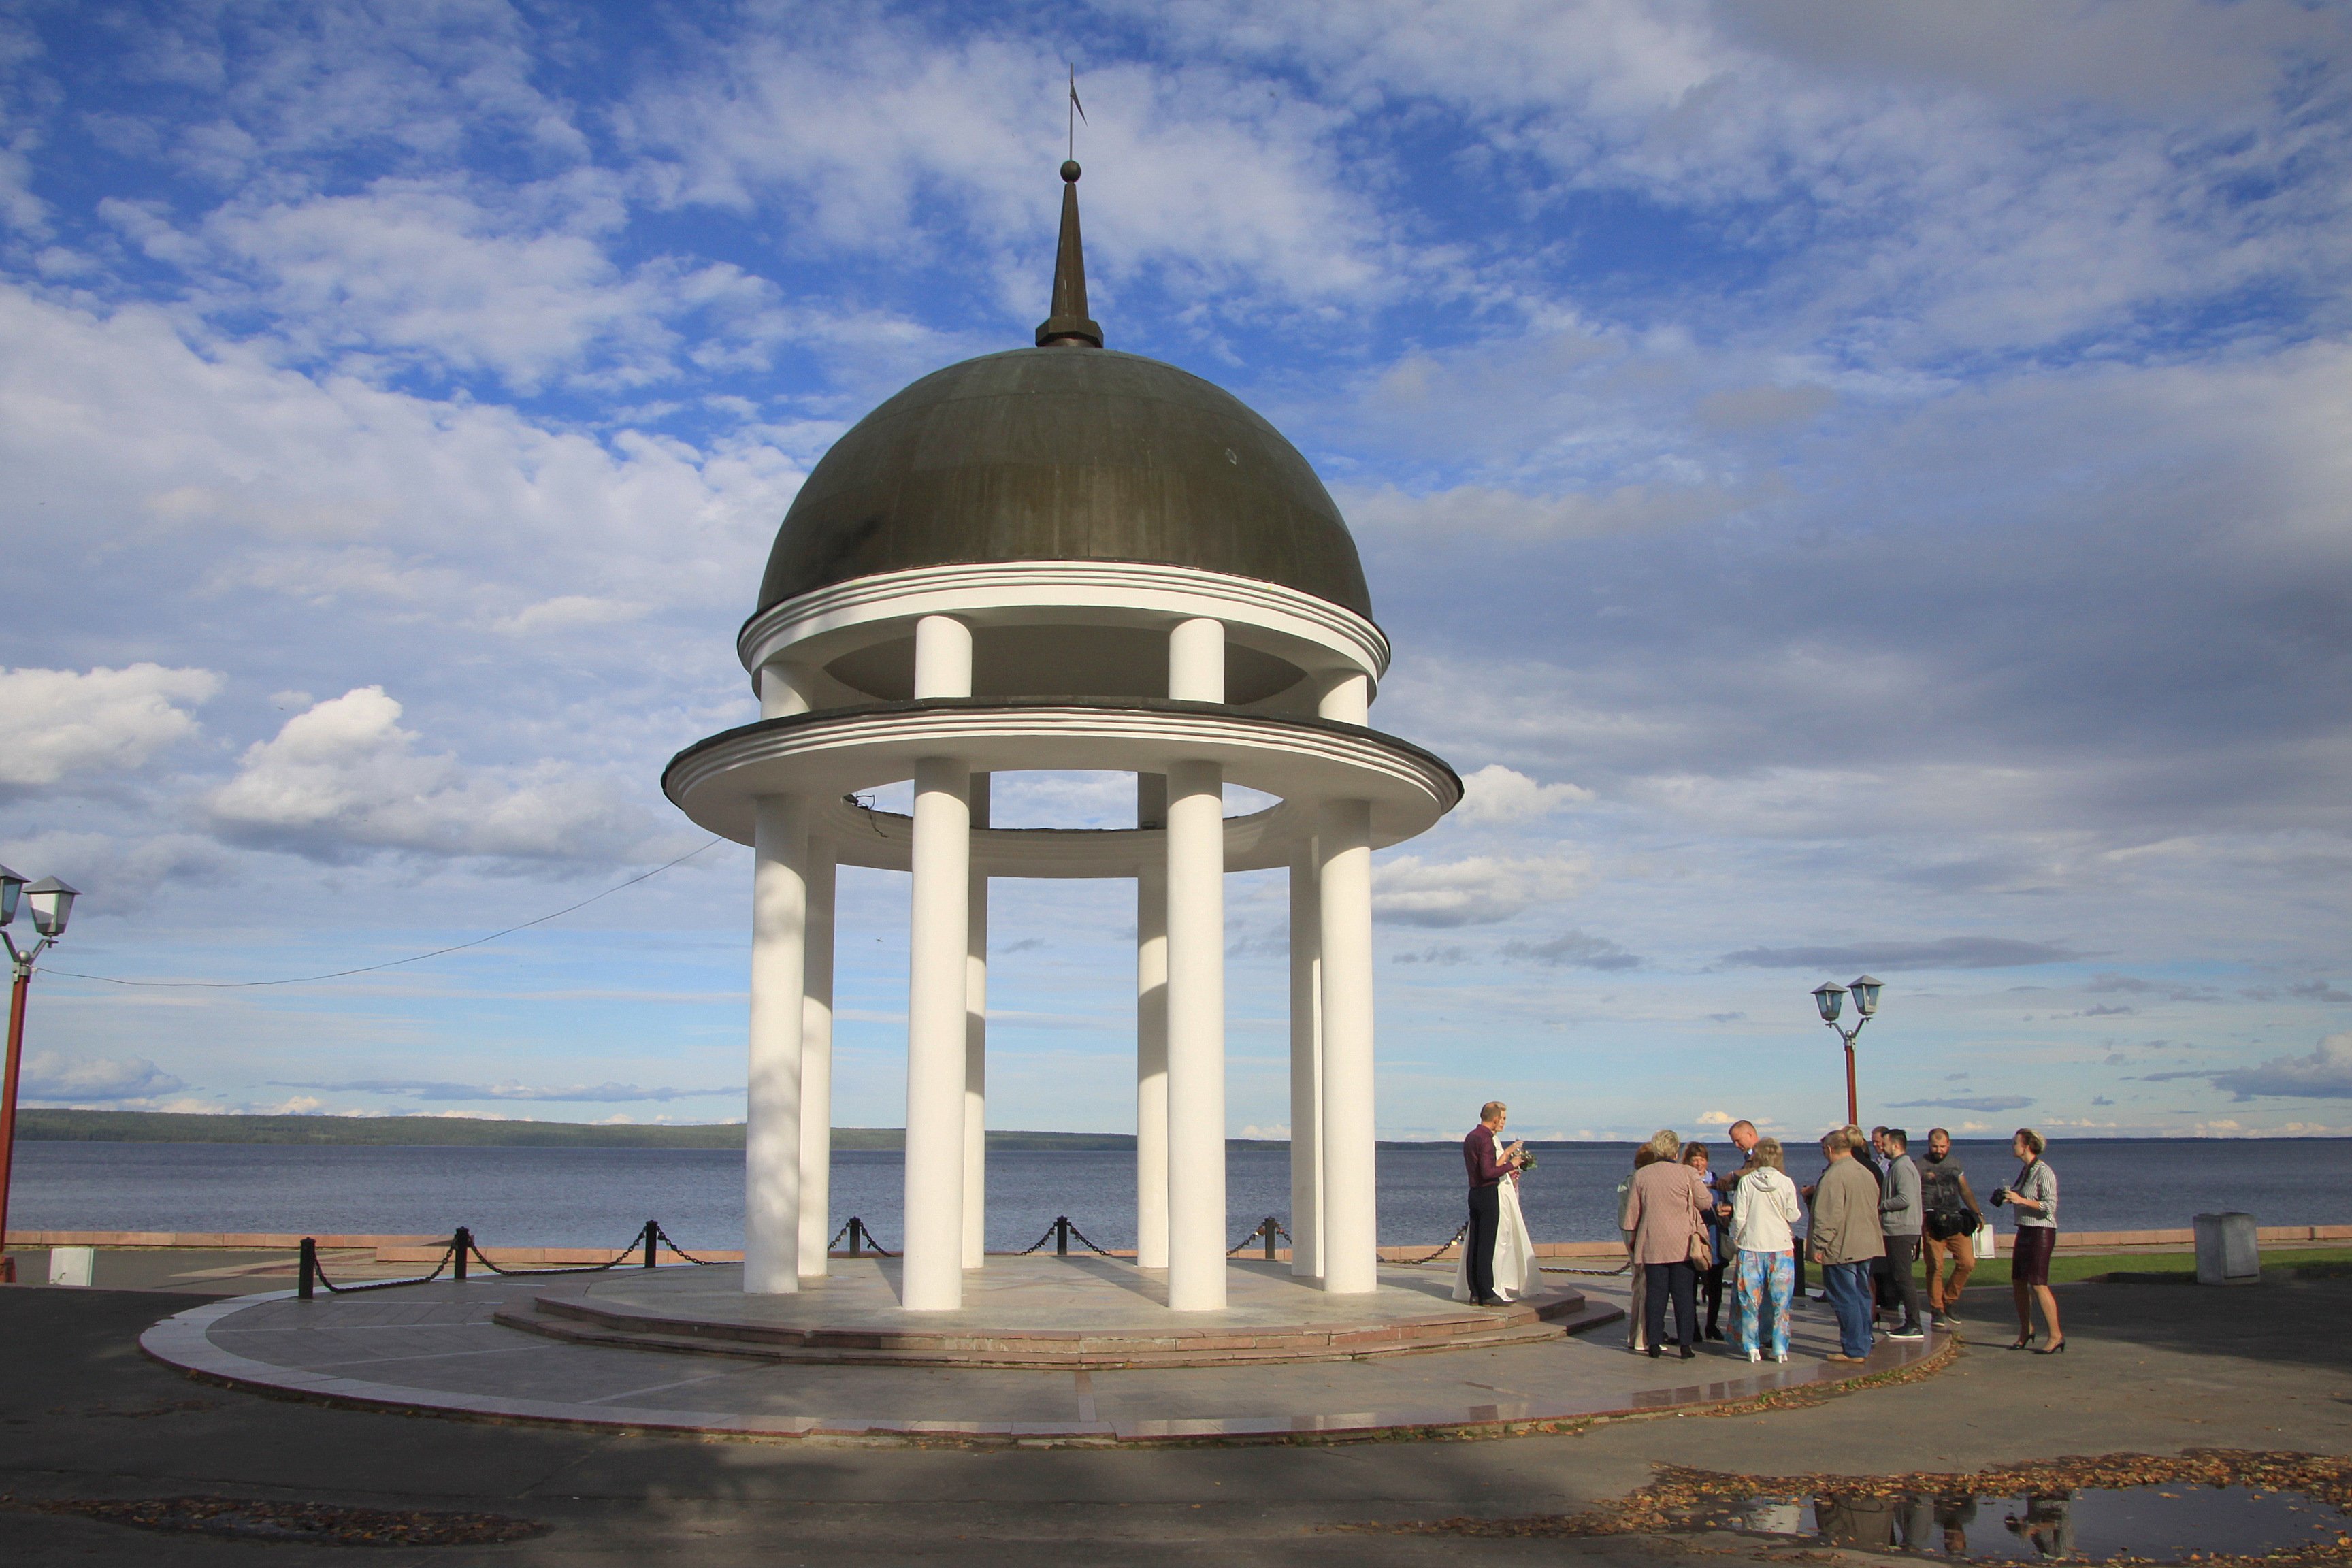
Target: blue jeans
point(1849, 1297)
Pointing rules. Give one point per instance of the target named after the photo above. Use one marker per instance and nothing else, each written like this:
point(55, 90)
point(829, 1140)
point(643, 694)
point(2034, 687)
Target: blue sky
point(1854, 486)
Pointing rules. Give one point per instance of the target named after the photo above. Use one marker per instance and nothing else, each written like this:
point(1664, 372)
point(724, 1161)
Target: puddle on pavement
point(2160, 1523)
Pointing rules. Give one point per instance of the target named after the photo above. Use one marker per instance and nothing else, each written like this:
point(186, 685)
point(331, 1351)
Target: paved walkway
point(437, 1347)
point(2153, 1369)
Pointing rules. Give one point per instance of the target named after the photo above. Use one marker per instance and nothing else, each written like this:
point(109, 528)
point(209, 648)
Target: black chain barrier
point(1061, 1233)
point(853, 1230)
point(461, 1250)
point(1442, 1247)
point(862, 1241)
point(1268, 1228)
point(1546, 1267)
point(312, 1272)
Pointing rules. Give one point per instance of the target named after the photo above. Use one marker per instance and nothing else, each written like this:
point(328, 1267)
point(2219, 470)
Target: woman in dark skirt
point(2034, 1195)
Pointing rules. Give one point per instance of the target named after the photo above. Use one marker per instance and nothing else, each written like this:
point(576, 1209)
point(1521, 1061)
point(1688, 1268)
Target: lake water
point(587, 1197)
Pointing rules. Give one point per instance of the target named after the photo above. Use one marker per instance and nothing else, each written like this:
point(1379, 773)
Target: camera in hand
point(2000, 1196)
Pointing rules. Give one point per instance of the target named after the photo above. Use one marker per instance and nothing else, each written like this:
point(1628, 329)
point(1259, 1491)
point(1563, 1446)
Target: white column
point(1196, 661)
point(772, 1111)
point(1152, 1034)
point(817, 1065)
point(1352, 1231)
point(933, 1278)
point(784, 690)
point(942, 657)
point(975, 1049)
point(1306, 1066)
point(1348, 699)
point(1196, 990)
point(1196, 1036)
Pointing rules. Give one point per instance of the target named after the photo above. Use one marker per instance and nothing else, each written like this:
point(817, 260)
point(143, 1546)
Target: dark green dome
point(1067, 453)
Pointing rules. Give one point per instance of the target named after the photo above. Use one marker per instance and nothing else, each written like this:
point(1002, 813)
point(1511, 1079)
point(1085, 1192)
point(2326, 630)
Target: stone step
point(578, 1321)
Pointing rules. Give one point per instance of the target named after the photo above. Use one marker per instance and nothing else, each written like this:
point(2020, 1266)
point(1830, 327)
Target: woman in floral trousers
point(1763, 1207)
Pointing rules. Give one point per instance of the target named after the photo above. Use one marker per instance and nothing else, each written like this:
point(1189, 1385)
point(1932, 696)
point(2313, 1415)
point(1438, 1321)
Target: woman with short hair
point(1763, 1209)
point(1666, 1211)
point(2034, 1195)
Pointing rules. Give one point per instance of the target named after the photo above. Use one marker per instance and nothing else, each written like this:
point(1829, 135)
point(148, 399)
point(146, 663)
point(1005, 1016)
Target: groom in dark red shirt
point(1487, 1166)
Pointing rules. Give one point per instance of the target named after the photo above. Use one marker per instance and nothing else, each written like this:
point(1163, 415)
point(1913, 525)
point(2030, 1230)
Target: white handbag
point(1986, 1239)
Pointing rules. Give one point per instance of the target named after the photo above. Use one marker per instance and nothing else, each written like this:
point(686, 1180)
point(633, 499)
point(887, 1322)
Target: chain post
point(1270, 1229)
point(1061, 1236)
point(309, 1268)
point(461, 1242)
point(653, 1229)
point(853, 1227)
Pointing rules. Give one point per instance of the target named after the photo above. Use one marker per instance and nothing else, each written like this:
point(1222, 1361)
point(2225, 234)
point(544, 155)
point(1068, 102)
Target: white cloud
point(515, 280)
point(1575, 949)
point(567, 611)
point(1196, 168)
point(2324, 1074)
point(343, 776)
point(1479, 890)
point(119, 872)
point(59, 723)
point(1495, 796)
point(49, 1076)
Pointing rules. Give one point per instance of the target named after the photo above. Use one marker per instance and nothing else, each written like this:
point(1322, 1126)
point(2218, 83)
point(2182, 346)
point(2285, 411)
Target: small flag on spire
point(1077, 110)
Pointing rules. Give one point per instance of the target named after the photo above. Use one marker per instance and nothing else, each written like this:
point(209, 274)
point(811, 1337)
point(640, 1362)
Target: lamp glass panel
point(11, 885)
point(1830, 998)
point(52, 904)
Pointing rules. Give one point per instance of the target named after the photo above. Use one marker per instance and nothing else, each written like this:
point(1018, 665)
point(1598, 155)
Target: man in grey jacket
point(1846, 1241)
point(1899, 1216)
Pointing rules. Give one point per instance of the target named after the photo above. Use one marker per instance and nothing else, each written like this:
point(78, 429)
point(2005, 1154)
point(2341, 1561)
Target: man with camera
point(1953, 1217)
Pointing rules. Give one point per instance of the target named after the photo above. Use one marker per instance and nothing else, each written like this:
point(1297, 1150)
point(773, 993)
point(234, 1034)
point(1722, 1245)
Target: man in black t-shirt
point(1952, 1217)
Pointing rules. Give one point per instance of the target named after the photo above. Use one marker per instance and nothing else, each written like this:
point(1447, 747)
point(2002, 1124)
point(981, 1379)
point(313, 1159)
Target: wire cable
point(389, 964)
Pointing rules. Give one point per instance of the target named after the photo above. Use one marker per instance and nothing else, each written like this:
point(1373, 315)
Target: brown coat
point(1845, 1215)
point(1668, 1205)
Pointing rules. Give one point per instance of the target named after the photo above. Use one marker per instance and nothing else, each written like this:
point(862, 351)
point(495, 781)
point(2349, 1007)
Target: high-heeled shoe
point(2052, 1350)
point(2023, 1341)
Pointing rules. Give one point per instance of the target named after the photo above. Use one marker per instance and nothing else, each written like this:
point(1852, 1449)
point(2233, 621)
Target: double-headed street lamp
point(51, 903)
point(1830, 998)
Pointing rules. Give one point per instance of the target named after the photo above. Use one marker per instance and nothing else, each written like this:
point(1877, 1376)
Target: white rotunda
point(1063, 558)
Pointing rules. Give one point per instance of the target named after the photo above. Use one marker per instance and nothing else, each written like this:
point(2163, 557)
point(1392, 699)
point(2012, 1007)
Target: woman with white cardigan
point(1763, 1208)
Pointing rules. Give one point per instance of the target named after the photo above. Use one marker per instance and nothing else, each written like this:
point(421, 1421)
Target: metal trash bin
point(2228, 1251)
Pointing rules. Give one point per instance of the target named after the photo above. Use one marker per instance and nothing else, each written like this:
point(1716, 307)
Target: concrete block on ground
point(2228, 1251)
point(72, 1265)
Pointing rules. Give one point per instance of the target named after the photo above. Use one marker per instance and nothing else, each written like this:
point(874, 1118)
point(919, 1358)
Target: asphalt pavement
point(85, 1416)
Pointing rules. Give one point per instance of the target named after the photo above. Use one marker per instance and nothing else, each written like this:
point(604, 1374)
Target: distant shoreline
point(42, 1125)
point(465, 1132)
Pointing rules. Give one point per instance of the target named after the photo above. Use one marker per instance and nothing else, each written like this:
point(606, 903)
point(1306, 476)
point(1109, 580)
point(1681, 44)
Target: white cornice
point(1290, 621)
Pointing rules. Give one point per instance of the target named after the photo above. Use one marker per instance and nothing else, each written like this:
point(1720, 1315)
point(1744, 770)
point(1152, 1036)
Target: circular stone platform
point(1062, 1313)
point(443, 1349)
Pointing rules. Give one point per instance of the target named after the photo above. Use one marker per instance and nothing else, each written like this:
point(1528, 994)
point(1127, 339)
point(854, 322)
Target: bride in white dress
point(1516, 1273)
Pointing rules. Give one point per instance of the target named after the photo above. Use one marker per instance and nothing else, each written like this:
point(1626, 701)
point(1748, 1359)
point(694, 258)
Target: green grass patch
point(2147, 1267)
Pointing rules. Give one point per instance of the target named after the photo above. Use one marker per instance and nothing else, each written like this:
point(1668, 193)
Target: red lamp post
point(51, 903)
point(1829, 998)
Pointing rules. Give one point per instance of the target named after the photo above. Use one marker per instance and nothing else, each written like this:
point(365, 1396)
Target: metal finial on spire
point(1068, 326)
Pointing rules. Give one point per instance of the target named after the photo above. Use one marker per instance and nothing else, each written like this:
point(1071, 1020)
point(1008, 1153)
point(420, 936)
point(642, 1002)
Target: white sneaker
point(1755, 1357)
point(1780, 1356)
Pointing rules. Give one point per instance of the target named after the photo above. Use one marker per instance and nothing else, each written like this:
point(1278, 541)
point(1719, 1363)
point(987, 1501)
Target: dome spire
point(1068, 326)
